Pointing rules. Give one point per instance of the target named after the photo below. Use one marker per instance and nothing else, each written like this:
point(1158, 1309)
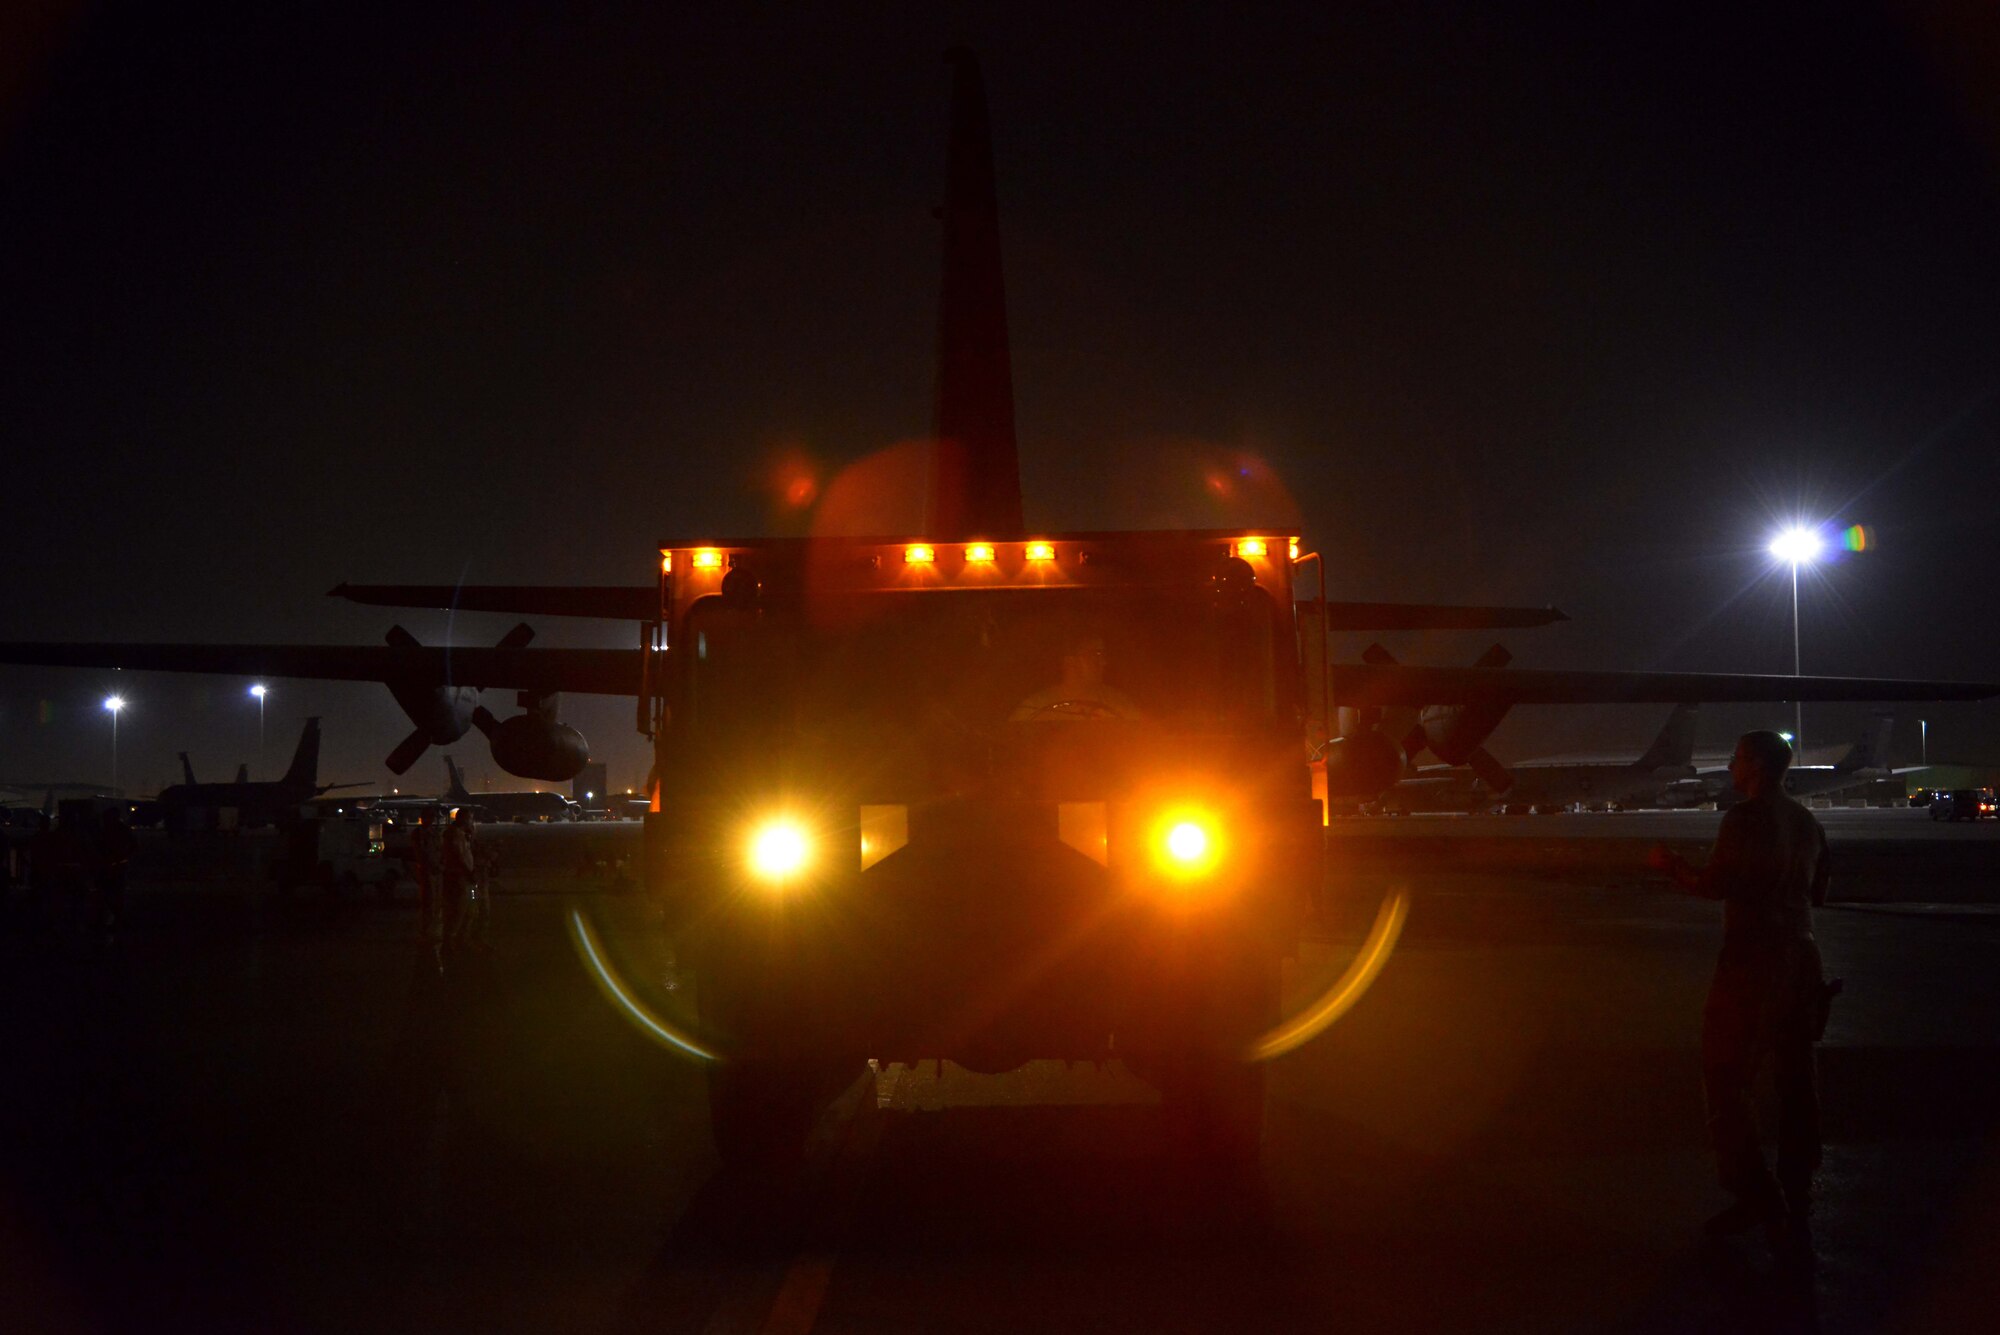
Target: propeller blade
point(1490, 771)
point(482, 719)
point(408, 752)
point(517, 638)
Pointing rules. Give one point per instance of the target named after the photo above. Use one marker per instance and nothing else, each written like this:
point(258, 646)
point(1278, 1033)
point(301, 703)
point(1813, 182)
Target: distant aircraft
point(523, 805)
point(1866, 761)
point(242, 771)
point(261, 803)
point(1395, 712)
point(1558, 783)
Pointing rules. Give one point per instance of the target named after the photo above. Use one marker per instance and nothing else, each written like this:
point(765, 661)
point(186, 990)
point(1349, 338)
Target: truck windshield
point(872, 665)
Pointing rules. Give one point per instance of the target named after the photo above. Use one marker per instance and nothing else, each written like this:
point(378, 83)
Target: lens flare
point(779, 850)
point(615, 991)
point(1797, 546)
point(1187, 844)
point(1857, 538)
point(1361, 974)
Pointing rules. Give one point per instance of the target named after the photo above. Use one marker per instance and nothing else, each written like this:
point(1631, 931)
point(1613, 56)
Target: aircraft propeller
point(441, 711)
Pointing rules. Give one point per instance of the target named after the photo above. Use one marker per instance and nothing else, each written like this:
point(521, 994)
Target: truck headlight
point(1187, 843)
point(779, 849)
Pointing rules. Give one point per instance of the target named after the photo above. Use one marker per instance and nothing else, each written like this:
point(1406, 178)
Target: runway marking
point(803, 1288)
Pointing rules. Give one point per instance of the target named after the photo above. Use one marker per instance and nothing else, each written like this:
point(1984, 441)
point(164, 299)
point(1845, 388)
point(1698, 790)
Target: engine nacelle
point(1363, 765)
point(535, 747)
point(442, 714)
point(1454, 732)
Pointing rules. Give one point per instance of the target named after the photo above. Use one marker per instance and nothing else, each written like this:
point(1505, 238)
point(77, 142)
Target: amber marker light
point(1292, 549)
point(919, 554)
point(1041, 551)
point(666, 563)
point(1187, 844)
point(1247, 547)
point(979, 553)
point(778, 850)
point(707, 558)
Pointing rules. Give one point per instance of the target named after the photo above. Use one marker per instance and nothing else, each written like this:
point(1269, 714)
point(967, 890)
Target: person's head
point(1083, 659)
point(1760, 762)
point(462, 816)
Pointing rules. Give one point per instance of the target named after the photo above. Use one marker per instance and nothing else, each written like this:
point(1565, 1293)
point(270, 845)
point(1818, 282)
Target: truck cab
point(985, 802)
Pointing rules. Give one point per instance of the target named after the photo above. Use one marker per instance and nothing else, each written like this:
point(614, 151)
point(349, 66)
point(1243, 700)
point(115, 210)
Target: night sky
point(1564, 306)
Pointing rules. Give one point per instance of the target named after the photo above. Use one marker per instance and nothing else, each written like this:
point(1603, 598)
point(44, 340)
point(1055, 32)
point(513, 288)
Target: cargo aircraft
point(1367, 722)
point(256, 803)
point(1559, 782)
point(1865, 762)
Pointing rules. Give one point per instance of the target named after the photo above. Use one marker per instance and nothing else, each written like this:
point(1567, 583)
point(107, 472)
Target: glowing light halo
point(1187, 841)
point(1361, 974)
point(779, 849)
point(608, 982)
point(1798, 545)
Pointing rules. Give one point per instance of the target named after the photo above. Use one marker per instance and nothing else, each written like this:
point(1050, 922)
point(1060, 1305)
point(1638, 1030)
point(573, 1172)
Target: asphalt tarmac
point(265, 1113)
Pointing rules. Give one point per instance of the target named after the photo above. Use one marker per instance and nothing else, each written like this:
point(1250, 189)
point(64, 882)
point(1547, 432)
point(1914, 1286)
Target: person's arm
point(1718, 878)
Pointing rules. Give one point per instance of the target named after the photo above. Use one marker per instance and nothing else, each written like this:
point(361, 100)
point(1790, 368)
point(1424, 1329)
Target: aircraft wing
point(618, 602)
point(1427, 616)
point(641, 602)
point(585, 671)
point(1366, 684)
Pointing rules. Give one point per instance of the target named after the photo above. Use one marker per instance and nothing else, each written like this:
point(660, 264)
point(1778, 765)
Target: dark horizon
point(1569, 308)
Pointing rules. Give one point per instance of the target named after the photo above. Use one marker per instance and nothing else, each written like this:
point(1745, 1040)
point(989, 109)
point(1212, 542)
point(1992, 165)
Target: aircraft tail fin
point(243, 772)
point(1674, 747)
point(455, 790)
point(975, 480)
point(304, 772)
point(187, 769)
point(1871, 750)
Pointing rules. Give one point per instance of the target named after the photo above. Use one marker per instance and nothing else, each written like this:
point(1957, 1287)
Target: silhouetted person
point(1769, 868)
point(459, 865)
point(1080, 692)
point(425, 851)
point(479, 924)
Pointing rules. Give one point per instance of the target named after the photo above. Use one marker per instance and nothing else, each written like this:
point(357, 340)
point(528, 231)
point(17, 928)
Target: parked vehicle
point(1963, 804)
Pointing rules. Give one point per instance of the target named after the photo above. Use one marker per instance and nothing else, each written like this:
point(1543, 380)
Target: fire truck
point(984, 802)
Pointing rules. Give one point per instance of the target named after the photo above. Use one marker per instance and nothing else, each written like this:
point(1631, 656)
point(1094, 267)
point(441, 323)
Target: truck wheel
point(759, 1114)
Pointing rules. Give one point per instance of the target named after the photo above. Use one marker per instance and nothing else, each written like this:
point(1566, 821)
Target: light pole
point(112, 704)
point(1797, 546)
point(1924, 734)
point(259, 691)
